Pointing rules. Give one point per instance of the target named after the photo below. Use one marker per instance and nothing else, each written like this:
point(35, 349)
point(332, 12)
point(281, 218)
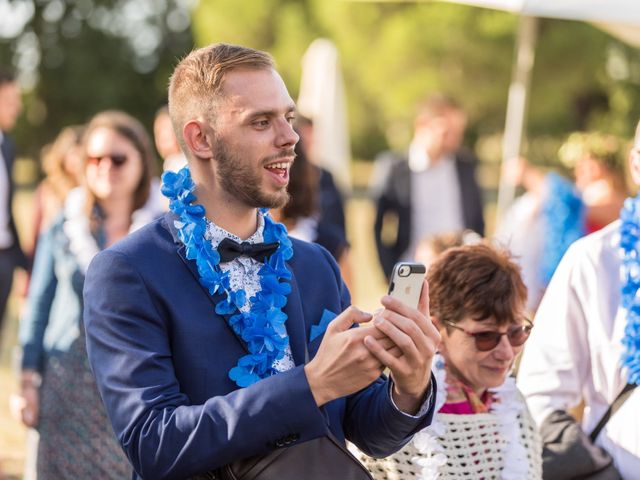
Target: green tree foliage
point(78, 57)
point(96, 54)
point(394, 54)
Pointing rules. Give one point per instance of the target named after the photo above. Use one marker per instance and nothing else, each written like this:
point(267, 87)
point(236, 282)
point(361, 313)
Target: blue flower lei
point(564, 216)
point(263, 326)
point(630, 279)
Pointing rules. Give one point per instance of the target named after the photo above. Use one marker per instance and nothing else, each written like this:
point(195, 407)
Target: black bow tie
point(230, 250)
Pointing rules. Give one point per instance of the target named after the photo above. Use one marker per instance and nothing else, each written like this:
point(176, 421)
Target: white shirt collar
point(215, 234)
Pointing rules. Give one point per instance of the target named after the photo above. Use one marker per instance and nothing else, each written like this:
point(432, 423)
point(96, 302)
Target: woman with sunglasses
point(59, 394)
point(482, 428)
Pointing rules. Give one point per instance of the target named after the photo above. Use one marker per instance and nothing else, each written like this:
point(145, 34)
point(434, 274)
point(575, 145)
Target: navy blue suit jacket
point(161, 357)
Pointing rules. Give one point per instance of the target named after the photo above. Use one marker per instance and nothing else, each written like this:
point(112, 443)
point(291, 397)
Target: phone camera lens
point(404, 271)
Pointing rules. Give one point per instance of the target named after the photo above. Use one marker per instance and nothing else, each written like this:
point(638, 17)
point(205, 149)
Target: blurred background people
point(430, 247)
point(302, 214)
point(62, 162)
point(330, 200)
point(11, 255)
point(554, 212)
point(482, 428)
point(585, 347)
point(429, 190)
point(59, 393)
point(166, 142)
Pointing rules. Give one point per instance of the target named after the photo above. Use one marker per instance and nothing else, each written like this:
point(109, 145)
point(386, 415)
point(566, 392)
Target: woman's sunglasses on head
point(117, 159)
point(489, 340)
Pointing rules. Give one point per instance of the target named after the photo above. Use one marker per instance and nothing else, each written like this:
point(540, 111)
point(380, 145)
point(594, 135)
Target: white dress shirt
point(6, 238)
point(436, 201)
point(574, 352)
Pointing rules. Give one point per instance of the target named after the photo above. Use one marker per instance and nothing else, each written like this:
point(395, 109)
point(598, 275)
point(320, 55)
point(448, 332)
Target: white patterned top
point(243, 273)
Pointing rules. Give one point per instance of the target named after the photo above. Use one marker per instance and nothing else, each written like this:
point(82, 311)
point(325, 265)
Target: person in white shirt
point(430, 190)
point(582, 348)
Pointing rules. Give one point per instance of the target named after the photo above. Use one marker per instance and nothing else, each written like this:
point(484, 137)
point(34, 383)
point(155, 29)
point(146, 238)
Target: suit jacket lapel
point(168, 220)
point(296, 325)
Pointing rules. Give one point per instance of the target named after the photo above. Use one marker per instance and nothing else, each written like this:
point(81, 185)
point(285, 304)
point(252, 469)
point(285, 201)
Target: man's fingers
point(385, 357)
point(416, 316)
point(423, 303)
point(402, 331)
point(347, 319)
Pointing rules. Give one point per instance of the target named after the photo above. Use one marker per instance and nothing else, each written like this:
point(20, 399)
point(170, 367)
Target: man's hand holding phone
point(415, 337)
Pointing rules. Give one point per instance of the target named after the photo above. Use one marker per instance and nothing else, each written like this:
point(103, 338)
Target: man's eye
point(261, 123)
point(291, 119)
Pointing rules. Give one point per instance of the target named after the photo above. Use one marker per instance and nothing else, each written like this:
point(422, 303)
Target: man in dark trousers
point(213, 336)
point(430, 190)
point(11, 255)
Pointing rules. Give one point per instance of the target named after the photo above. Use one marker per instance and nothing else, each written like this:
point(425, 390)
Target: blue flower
point(630, 286)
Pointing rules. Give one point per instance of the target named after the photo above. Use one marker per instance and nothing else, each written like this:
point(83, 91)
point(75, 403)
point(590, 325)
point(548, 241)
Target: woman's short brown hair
point(477, 281)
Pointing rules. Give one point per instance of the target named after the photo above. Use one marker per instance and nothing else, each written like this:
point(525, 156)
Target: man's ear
point(196, 138)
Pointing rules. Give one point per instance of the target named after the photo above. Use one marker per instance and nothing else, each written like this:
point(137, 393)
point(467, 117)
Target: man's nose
point(287, 136)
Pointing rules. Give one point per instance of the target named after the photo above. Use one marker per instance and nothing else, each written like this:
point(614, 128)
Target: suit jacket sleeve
point(392, 198)
point(162, 433)
point(472, 204)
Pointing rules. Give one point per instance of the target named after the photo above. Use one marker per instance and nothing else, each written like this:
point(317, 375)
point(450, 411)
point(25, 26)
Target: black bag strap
point(613, 408)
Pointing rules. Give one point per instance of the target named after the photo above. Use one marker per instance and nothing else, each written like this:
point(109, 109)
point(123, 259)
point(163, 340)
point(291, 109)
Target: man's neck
point(228, 213)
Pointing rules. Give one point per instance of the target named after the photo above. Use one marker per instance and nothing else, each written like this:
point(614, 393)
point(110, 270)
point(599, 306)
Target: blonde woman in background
point(60, 396)
point(62, 166)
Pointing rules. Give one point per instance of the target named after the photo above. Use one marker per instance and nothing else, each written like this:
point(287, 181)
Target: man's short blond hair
point(196, 84)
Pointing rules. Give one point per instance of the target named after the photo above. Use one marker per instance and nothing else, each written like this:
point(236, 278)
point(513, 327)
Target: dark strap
point(613, 408)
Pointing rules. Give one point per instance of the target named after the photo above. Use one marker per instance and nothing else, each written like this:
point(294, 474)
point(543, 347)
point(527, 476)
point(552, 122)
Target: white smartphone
point(406, 282)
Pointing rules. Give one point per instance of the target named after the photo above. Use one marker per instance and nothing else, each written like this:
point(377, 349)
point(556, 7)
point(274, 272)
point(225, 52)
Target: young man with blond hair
point(207, 330)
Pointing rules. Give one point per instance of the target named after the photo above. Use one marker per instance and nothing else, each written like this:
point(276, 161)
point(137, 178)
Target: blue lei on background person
point(564, 214)
point(630, 279)
point(262, 328)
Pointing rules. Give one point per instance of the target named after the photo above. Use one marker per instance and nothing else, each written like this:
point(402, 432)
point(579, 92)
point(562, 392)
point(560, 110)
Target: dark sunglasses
point(486, 341)
point(117, 159)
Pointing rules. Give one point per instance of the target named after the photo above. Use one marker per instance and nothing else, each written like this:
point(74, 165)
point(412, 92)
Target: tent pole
point(517, 104)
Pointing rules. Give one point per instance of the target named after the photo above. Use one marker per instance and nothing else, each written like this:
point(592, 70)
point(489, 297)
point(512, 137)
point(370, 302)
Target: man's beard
point(243, 181)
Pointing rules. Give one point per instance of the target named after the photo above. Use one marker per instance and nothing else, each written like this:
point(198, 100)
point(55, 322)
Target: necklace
point(630, 279)
point(262, 327)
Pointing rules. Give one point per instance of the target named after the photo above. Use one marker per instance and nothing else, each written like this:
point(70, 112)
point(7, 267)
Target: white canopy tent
point(322, 99)
point(620, 18)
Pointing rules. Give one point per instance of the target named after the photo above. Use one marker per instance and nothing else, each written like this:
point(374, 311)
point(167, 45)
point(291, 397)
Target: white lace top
point(501, 444)
point(474, 449)
point(243, 273)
